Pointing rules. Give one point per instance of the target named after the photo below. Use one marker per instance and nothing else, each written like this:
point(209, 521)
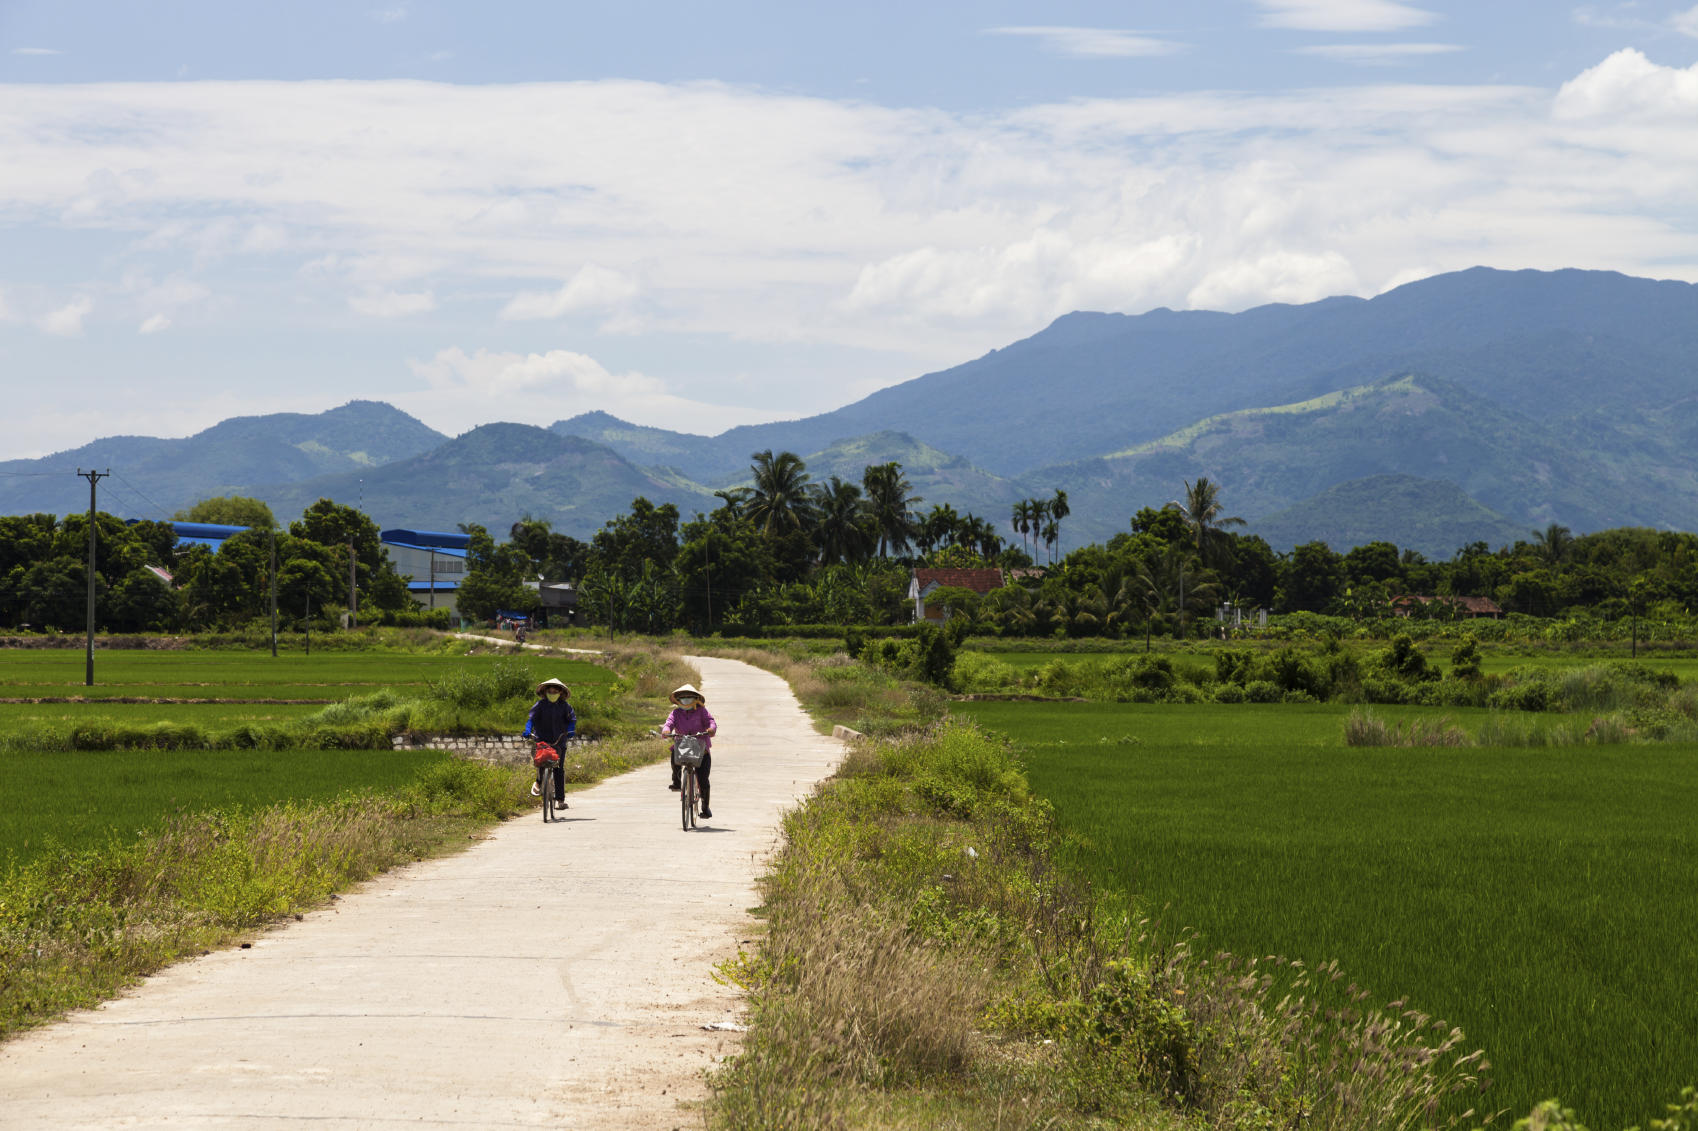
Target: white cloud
point(36, 51)
point(492, 384)
point(496, 374)
point(1686, 23)
point(67, 320)
point(1377, 53)
point(393, 14)
point(1091, 42)
point(594, 287)
point(736, 221)
point(1627, 85)
point(1622, 17)
point(153, 324)
point(391, 304)
point(1343, 15)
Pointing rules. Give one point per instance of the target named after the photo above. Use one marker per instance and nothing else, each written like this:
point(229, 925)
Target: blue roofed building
point(208, 534)
point(435, 560)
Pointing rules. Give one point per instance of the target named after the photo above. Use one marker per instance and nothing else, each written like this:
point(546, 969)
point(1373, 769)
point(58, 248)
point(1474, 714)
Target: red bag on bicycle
point(545, 754)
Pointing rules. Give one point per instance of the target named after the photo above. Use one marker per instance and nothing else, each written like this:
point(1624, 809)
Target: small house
point(925, 582)
point(1464, 607)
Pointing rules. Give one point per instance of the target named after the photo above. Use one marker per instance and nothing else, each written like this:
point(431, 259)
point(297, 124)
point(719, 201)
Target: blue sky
point(698, 215)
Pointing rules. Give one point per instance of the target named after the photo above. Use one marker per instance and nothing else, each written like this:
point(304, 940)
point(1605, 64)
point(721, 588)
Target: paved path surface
point(553, 975)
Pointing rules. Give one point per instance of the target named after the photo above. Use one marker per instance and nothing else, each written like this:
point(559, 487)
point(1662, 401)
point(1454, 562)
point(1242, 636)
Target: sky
point(698, 215)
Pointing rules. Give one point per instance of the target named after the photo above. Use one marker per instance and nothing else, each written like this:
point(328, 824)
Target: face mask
point(554, 696)
point(686, 701)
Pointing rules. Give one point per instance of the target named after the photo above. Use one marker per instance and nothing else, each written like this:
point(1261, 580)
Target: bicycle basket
point(689, 750)
point(545, 755)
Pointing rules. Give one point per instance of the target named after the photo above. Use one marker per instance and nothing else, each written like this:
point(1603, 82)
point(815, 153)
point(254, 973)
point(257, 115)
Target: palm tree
point(1554, 543)
point(980, 536)
point(1058, 510)
point(844, 531)
point(891, 505)
point(782, 503)
point(1020, 518)
point(735, 499)
point(1201, 512)
point(1169, 584)
point(939, 527)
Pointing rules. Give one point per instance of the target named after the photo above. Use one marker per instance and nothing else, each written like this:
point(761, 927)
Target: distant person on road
point(690, 715)
point(553, 721)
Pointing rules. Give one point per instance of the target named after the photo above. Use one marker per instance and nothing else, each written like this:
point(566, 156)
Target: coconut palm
point(938, 528)
point(782, 503)
point(844, 530)
point(735, 499)
point(1201, 512)
point(891, 504)
point(1554, 543)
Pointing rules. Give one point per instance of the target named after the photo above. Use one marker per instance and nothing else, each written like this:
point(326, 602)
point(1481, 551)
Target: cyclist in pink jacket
point(690, 715)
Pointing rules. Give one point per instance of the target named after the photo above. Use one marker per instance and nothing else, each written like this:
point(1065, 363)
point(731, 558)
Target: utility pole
point(271, 538)
point(93, 477)
point(352, 577)
point(306, 619)
point(707, 572)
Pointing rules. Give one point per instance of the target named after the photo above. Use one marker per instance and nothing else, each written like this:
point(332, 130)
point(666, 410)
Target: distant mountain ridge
point(233, 454)
point(1481, 400)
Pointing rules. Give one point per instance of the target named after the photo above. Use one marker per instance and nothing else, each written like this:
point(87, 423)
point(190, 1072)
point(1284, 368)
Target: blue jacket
point(553, 723)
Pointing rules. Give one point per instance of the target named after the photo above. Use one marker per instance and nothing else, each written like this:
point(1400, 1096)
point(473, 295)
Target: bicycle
point(687, 751)
point(547, 761)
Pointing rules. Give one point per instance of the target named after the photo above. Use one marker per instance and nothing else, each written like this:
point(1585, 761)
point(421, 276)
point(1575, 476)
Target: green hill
point(495, 475)
point(1428, 515)
point(154, 478)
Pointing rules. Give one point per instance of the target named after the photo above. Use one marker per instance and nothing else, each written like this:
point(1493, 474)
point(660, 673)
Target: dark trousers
point(559, 768)
point(701, 775)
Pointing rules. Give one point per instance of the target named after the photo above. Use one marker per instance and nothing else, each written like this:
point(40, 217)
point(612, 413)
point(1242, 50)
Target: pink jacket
point(694, 721)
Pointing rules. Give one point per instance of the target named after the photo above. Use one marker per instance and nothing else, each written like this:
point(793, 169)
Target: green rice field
point(243, 674)
point(80, 798)
point(1543, 899)
point(1491, 662)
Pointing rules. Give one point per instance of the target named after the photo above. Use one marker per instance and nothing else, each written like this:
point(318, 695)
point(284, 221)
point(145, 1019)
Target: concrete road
point(552, 975)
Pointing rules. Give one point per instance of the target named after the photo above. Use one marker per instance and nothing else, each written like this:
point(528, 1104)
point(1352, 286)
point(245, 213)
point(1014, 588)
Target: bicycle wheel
point(687, 797)
point(548, 793)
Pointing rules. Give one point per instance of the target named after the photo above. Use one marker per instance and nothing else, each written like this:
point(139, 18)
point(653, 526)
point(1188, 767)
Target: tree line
point(44, 571)
point(789, 551)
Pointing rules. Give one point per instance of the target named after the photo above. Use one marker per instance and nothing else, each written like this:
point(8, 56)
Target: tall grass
point(76, 925)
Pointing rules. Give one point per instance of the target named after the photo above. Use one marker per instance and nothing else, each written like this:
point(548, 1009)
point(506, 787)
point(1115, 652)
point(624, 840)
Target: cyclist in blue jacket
point(553, 721)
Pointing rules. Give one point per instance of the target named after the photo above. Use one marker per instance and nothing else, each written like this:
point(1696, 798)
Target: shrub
point(1228, 693)
point(1465, 658)
point(1262, 691)
point(975, 671)
point(1364, 728)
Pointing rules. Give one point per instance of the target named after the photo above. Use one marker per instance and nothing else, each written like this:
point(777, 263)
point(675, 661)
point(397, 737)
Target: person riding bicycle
point(689, 715)
point(553, 721)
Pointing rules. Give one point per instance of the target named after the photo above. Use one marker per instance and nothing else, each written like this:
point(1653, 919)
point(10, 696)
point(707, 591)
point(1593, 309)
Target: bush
point(975, 671)
point(1262, 691)
point(1229, 693)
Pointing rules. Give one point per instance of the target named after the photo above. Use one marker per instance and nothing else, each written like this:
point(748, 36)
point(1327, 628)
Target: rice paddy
point(1541, 899)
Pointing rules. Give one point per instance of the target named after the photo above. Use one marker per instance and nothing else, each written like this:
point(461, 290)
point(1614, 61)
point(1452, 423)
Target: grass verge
point(928, 963)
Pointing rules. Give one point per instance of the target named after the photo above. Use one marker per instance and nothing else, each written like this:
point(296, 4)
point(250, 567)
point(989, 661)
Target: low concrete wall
point(502, 748)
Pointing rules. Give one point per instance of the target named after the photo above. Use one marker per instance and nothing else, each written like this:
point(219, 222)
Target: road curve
point(551, 975)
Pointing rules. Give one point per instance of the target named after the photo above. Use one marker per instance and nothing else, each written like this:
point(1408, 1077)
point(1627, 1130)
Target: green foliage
point(230, 510)
point(1426, 871)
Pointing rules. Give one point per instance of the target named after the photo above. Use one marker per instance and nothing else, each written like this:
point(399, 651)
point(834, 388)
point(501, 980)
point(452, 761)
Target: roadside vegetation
point(144, 845)
point(956, 937)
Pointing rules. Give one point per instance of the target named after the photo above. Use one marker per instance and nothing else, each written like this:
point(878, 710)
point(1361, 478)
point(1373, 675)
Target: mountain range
point(1472, 406)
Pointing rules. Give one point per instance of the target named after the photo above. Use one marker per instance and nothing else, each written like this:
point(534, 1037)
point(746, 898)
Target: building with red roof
point(927, 581)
